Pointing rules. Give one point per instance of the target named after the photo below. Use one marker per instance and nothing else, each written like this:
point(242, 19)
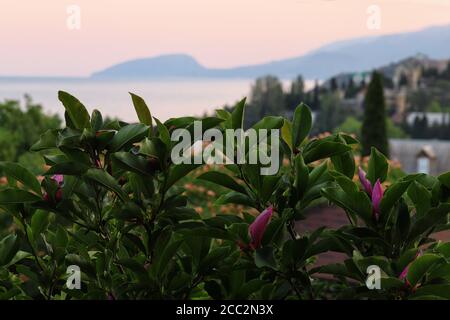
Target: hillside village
point(416, 89)
point(417, 99)
point(417, 95)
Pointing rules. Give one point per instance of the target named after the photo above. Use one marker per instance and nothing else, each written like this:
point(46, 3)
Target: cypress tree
point(373, 132)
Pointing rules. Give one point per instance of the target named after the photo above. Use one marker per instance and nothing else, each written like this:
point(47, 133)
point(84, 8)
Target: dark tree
point(297, 93)
point(373, 132)
point(446, 73)
point(351, 90)
point(315, 104)
point(333, 84)
point(403, 81)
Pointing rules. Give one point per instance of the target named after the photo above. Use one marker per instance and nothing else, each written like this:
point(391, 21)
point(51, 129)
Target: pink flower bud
point(59, 178)
point(377, 195)
point(258, 227)
point(365, 183)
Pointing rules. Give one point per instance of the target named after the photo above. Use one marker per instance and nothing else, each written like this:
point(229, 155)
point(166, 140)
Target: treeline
point(20, 127)
point(421, 128)
point(327, 101)
point(268, 97)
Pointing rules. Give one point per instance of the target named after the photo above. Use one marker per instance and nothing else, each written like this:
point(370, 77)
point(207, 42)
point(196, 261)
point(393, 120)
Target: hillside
point(344, 56)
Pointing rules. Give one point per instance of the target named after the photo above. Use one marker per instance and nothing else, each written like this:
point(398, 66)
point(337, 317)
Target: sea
point(166, 98)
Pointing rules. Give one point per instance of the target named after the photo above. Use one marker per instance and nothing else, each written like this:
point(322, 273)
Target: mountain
point(343, 56)
point(174, 65)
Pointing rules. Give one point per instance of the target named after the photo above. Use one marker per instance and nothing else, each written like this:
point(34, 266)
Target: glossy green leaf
point(378, 166)
point(132, 162)
point(179, 171)
point(107, 181)
point(9, 246)
point(223, 180)
point(10, 196)
point(324, 149)
point(420, 267)
point(75, 110)
point(142, 111)
point(301, 124)
point(46, 141)
point(237, 116)
point(127, 135)
point(21, 174)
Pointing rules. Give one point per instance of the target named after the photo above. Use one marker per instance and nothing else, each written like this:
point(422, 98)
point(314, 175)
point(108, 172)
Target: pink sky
point(35, 40)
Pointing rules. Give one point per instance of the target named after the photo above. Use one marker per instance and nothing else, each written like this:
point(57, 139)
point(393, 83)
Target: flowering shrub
point(113, 206)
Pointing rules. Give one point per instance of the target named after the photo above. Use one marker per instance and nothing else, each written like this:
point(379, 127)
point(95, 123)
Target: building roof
point(406, 152)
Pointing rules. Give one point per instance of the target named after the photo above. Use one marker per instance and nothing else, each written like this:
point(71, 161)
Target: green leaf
point(167, 254)
point(70, 168)
point(236, 198)
point(301, 124)
point(155, 148)
point(39, 222)
point(21, 174)
point(420, 267)
point(420, 196)
point(82, 262)
point(433, 217)
point(8, 249)
point(213, 258)
point(268, 187)
point(444, 249)
point(273, 232)
point(107, 181)
point(438, 291)
point(142, 110)
point(393, 194)
point(163, 133)
point(207, 123)
point(301, 175)
point(264, 258)
point(344, 163)
point(132, 162)
point(75, 110)
point(294, 250)
point(10, 196)
point(182, 122)
point(96, 120)
point(317, 173)
point(135, 267)
point(445, 179)
point(179, 171)
point(378, 166)
point(286, 133)
point(223, 180)
point(237, 116)
point(323, 149)
point(403, 222)
point(127, 135)
point(357, 202)
point(46, 141)
point(269, 123)
point(20, 255)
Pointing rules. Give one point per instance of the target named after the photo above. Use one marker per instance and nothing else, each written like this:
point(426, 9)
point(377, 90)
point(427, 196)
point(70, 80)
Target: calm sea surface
point(166, 98)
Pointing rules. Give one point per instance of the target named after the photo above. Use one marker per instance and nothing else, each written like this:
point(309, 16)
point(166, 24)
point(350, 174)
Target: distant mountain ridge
point(343, 56)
